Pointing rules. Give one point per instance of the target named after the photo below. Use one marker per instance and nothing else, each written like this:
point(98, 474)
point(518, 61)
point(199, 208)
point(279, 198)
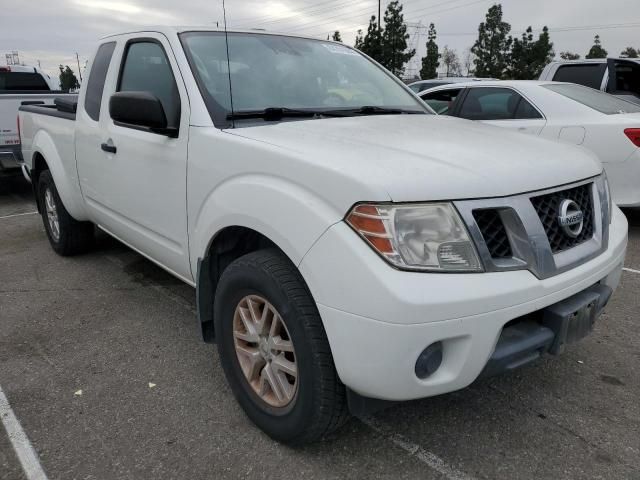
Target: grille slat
point(494, 233)
point(548, 209)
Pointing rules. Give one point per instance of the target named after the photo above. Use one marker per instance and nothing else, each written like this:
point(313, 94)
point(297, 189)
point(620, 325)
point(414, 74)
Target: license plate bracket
point(573, 318)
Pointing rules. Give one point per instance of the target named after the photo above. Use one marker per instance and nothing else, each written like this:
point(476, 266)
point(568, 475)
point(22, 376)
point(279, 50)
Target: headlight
point(429, 237)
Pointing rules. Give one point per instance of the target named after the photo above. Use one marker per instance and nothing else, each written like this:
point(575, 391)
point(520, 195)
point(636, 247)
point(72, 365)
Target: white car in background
point(606, 125)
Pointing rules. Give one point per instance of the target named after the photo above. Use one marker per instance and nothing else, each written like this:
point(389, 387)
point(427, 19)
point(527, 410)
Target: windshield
point(602, 102)
point(269, 71)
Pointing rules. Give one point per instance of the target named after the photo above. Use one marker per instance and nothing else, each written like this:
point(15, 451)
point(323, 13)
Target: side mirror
point(141, 110)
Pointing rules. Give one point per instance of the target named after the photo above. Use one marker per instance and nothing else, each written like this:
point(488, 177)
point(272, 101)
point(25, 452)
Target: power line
point(342, 17)
point(303, 12)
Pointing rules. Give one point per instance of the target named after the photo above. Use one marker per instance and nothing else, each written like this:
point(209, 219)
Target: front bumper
point(378, 320)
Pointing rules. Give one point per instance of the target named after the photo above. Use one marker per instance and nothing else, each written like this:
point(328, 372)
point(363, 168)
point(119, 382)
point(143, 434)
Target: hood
point(429, 157)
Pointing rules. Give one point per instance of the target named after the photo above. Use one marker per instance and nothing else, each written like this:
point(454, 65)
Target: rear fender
point(63, 172)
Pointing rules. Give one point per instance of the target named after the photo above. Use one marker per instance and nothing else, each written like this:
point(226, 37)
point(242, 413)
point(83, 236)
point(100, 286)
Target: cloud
point(53, 31)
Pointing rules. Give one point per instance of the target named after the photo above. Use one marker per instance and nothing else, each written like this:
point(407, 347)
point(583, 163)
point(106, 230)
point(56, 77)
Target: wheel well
point(38, 166)
point(228, 245)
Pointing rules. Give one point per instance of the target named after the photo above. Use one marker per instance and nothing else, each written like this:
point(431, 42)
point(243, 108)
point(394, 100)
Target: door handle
point(108, 148)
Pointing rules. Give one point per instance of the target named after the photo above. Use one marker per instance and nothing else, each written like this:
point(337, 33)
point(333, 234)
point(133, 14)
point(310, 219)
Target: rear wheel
point(274, 351)
point(67, 236)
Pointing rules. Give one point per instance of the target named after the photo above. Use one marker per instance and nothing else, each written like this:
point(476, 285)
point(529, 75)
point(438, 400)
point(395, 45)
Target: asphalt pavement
point(103, 367)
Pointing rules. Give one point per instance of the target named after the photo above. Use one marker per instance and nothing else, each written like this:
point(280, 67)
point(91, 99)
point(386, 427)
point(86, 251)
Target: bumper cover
point(378, 319)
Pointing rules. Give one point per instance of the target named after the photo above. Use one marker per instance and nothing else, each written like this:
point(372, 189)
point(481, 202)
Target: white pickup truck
point(617, 76)
point(20, 84)
point(348, 247)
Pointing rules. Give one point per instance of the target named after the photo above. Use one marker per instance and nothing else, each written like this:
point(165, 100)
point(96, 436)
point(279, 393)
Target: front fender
point(62, 165)
point(287, 214)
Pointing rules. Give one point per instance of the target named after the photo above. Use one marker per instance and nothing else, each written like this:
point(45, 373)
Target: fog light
point(429, 360)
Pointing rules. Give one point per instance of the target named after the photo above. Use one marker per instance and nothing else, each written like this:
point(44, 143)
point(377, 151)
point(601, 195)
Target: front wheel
point(67, 236)
point(274, 350)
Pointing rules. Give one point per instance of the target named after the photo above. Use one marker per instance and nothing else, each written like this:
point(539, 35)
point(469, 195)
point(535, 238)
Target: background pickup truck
point(20, 84)
point(347, 251)
point(618, 76)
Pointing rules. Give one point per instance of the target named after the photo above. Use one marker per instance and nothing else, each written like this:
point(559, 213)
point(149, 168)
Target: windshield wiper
point(278, 113)
point(373, 110)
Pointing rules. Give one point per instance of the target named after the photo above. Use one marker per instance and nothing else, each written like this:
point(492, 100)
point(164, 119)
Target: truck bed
point(54, 121)
point(61, 111)
point(10, 102)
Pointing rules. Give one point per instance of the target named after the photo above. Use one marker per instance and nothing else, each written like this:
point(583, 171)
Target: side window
point(526, 111)
point(442, 100)
point(496, 104)
point(146, 69)
point(587, 74)
point(95, 84)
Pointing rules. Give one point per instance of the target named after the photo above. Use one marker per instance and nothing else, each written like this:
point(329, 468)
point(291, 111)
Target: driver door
point(135, 183)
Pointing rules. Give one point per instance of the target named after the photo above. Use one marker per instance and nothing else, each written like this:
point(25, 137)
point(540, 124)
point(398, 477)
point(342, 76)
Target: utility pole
point(379, 14)
point(79, 71)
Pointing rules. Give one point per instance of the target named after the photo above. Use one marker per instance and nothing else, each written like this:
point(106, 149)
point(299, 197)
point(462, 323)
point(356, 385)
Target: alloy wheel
point(52, 214)
point(265, 351)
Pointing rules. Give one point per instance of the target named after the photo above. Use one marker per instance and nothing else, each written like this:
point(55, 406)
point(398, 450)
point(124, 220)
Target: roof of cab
point(174, 30)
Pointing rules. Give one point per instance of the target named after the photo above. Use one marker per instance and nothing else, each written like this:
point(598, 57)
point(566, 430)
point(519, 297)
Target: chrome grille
point(521, 232)
point(548, 209)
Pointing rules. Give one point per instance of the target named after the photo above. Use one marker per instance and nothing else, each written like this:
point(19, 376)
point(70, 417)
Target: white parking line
point(630, 270)
point(18, 215)
point(428, 458)
point(24, 450)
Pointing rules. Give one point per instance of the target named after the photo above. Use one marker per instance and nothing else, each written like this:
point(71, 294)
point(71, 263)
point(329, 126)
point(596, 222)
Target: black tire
point(74, 237)
point(319, 406)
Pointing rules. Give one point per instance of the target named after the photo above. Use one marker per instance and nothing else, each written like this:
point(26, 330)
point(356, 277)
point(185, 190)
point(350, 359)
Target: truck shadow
point(633, 216)
point(15, 185)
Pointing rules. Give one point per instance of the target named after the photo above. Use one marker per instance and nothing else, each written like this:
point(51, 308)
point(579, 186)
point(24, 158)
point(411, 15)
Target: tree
point(630, 52)
point(528, 58)
point(68, 80)
point(451, 62)
point(359, 40)
point(371, 44)
point(430, 61)
point(394, 40)
point(492, 46)
point(569, 56)
point(469, 57)
point(336, 36)
point(596, 50)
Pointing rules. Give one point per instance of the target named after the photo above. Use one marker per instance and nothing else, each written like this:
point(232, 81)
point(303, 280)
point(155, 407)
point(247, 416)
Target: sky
point(51, 32)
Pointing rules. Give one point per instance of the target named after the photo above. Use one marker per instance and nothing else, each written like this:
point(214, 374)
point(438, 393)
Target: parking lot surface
point(103, 366)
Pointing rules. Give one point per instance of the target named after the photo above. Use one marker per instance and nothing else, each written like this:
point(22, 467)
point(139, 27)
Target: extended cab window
point(442, 100)
point(95, 84)
point(496, 104)
point(146, 69)
point(587, 74)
